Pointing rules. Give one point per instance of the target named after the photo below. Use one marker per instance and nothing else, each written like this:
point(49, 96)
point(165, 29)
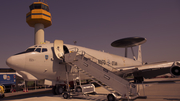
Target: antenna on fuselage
point(75, 42)
point(129, 42)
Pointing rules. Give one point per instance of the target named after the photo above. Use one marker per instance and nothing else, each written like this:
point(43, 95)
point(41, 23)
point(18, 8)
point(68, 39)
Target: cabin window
point(38, 50)
point(100, 62)
point(114, 63)
point(44, 50)
point(103, 62)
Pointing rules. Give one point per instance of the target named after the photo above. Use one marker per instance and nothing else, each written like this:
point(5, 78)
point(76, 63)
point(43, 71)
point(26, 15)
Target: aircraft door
point(58, 48)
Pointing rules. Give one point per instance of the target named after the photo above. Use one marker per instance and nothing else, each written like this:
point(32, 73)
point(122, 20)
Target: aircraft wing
point(150, 70)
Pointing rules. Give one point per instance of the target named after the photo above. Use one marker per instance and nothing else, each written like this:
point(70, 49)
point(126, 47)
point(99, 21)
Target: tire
point(54, 90)
point(78, 89)
point(65, 95)
point(111, 97)
point(59, 90)
point(138, 79)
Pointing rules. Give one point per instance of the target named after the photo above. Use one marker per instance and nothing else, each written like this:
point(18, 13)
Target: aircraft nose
point(16, 62)
point(9, 61)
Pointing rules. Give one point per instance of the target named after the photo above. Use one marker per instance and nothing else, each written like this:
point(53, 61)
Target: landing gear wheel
point(59, 90)
point(138, 79)
point(78, 89)
point(54, 90)
point(111, 97)
point(65, 95)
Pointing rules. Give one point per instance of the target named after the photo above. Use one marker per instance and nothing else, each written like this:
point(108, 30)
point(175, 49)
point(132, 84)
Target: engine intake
point(175, 70)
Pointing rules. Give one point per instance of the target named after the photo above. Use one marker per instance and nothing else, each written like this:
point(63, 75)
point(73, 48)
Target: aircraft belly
point(27, 76)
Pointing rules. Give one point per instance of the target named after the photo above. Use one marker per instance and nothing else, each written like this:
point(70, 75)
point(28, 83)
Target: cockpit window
point(33, 50)
point(44, 49)
point(38, 50)
point(30, 50)
point(27, 51)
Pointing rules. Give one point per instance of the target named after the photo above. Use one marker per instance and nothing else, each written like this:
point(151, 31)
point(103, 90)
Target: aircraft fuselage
point(40, 62)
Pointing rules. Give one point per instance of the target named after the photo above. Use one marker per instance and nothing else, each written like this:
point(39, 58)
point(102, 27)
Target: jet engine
point(175, 69)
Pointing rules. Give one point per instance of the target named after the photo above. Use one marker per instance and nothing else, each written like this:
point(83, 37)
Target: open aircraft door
point(58, 48)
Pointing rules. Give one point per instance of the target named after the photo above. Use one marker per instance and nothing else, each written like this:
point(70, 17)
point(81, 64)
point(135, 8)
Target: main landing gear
point(111, 97)
point(58, 89)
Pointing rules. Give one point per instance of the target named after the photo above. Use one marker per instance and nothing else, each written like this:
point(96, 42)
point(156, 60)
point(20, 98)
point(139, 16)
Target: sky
point(96, 24)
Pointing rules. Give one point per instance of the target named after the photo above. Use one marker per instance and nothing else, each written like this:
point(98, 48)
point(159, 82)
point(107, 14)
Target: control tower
point(39, 17)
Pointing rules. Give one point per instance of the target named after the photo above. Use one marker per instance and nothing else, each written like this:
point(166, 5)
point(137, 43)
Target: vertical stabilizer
point(139, 54)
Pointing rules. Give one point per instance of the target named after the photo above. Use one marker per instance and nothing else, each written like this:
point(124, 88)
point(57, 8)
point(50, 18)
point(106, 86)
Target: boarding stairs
point(90, 66)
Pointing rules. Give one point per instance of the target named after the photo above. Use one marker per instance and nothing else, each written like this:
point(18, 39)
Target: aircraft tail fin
point(139, 54)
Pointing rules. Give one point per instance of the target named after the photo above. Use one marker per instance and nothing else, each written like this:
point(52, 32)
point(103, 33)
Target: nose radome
point(9, 61)
point(16, 62)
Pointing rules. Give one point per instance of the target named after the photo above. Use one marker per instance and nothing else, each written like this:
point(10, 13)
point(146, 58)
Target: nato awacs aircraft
point(58, 63)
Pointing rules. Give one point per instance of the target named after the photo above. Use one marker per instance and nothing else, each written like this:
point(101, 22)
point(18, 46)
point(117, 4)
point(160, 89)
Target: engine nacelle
point(175, 70)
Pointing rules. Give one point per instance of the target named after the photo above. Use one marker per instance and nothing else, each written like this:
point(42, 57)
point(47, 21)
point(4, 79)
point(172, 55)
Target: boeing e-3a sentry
point(48, 61)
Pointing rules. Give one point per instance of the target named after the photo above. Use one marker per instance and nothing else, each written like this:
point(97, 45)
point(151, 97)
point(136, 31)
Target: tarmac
point(161, 89)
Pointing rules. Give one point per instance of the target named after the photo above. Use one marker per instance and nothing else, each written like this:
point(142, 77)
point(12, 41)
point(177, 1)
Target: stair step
point(111, 90)
point(107, 87)
point(98, 72)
